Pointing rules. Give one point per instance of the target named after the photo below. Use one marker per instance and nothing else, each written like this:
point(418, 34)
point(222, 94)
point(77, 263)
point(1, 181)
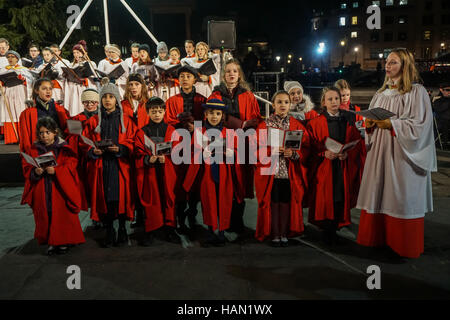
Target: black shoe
point(148, 239)
point(96, 225)
point(284, 243)
point(110, 238)
point(122, 236)
point(62, 250)
point(51, 250)
point(183, 229)
point(220, 241)
point(136, 224)
point(171, 236)
point(275, 244)
point(192, 221)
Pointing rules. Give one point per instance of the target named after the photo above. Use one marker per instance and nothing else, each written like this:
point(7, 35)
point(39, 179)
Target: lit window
point(427, 35)
point(355, 4)
point(343, 6)
point(402, 20)
point(403, 2)
point(342, 21)
point(355, 20)
point(389, 3)
point(354, 34)
point(249, 49)
point(376, 3)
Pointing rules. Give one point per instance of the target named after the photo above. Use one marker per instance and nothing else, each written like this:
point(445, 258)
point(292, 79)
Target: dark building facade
point(339, 27)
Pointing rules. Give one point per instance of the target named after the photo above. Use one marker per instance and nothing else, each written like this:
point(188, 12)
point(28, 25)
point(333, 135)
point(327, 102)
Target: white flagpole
point(105, 13)
point(139, 21)
point(74, 25)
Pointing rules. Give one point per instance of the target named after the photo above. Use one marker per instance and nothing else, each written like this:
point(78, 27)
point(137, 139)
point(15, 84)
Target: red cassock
point(95, 171)
point(311, 115)
point(27, 125)
point(157, 213)
point(202, 174)
point(298, 182)
point(321, 204)
point(174, 106)
point(248, 109)
point(65, 225)
point(76, 145)
point(142, 116)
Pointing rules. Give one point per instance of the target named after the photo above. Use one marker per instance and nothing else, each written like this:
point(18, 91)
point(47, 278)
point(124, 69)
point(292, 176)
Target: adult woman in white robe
point(396, 189)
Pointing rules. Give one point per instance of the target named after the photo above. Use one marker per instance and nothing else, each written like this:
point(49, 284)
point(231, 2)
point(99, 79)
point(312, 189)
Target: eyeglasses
point(90, 102)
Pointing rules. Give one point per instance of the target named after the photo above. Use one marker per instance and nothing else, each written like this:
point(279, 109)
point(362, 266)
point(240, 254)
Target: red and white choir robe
point(58, 83)
point(16, 97)
point(147, 70)
point(137, 113)
point(248, 109)
point(150, 194)
point(172, 88)
point(203, 88)
point(264, 182)
point(73, 91)
point(95, 171)
point(201, 174)
point(320, 193)
point(107, 66)
point(396, 189)
point(63, 227)
point(27, 125)
point(129, 61)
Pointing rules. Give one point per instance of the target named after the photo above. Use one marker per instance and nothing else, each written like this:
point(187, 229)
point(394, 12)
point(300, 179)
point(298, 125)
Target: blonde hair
point(325, 91)
point(175, 49)
point(241, 82)
point(408, 71)
point(342, 84)
point(144, 93)
point(201, 43)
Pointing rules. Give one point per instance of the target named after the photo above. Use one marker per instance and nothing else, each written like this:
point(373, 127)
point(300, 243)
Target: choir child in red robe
point(281, 183)
point(345, 90)
point(155, 175)
point(235, 92)
point(181, 112)
point(214, 174)
point(108, 165)
point(52, 191)
point(134, 99)
point(89, 99)
point(44, 106)
point(334, 177)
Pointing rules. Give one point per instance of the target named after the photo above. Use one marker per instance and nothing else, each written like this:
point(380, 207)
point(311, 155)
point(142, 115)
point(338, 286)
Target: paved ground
point(307, 269)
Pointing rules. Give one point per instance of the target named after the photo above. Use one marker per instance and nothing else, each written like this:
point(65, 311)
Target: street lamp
point(342, 51)
point(278, 58)
point(356, 54)
point(380, 55)
point(300, 59)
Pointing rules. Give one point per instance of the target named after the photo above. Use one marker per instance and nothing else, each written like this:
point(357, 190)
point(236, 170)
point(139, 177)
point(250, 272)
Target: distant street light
point(290, 56)
point(342, 43)
point(300, 59)
point(356, 54)
point(342, 52)
point(380, 55)
point(277, 58)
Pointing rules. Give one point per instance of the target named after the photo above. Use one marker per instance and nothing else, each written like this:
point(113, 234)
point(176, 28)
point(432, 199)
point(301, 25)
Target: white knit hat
point(110, 88)
point(162, 47)
point(89, 95)
point(289, 85)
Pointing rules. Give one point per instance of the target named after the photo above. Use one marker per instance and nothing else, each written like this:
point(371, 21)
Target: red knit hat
point(79, 45)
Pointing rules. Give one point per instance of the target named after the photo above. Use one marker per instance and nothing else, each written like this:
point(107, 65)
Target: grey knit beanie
point(162, 47)
point(110, 88)
point(289, 85)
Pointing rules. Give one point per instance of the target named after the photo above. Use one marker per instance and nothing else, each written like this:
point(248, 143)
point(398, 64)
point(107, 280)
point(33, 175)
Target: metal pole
point(139, 21)
point(105, 13)
point(77, 21)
